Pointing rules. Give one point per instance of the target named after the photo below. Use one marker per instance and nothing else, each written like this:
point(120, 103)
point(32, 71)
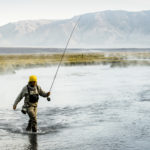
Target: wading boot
point(34, 129)
point(28, 128)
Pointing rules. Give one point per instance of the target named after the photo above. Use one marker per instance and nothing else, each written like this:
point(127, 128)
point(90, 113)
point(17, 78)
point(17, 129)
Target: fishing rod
point(48, 98)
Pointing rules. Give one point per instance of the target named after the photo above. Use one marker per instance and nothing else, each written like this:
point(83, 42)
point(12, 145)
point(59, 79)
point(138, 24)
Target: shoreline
point(9, 63)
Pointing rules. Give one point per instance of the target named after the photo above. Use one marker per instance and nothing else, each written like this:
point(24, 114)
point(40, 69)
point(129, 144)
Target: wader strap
point(29, 90)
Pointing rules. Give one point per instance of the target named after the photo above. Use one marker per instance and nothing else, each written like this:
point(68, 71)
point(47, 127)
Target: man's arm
point(43, 93)
point(19, 97)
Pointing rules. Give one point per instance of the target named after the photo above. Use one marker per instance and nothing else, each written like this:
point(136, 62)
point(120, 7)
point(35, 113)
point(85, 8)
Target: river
point(92, 108)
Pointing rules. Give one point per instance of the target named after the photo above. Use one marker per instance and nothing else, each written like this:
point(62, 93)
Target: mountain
point(107, 29)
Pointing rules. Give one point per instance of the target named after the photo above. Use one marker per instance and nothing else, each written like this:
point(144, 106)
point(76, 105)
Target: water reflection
point(33, 145)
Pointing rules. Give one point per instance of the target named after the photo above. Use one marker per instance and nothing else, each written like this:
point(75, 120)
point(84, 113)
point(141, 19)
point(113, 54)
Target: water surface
point(92, 108)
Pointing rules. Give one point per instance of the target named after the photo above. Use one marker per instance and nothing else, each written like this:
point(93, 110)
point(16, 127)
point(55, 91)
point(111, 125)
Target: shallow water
point(92, 108)
point(31, 50)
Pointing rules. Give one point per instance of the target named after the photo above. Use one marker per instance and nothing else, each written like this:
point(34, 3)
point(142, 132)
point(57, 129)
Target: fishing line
point(63, 54)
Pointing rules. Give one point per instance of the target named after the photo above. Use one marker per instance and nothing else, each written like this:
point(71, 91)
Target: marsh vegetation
point(13, 62)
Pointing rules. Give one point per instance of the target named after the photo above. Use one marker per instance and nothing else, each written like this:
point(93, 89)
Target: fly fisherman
point(31, 93)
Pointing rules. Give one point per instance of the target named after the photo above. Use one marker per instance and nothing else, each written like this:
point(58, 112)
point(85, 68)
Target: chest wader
point(32, 111)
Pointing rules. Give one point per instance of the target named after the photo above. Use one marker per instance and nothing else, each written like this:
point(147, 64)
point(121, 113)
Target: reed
point(12, 62)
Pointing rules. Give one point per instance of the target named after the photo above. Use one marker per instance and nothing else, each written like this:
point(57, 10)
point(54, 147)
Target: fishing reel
point(48, 99)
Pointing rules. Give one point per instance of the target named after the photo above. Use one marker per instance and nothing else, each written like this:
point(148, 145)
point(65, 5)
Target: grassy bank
point(12, 62)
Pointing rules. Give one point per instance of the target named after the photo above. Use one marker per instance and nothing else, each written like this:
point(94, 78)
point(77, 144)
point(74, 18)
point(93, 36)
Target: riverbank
point(9, 63)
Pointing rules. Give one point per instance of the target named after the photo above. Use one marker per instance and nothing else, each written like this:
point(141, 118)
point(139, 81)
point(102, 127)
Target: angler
point(31, 93)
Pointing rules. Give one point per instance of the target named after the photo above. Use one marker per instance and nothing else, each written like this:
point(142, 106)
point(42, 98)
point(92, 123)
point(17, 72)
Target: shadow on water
point(33, 144)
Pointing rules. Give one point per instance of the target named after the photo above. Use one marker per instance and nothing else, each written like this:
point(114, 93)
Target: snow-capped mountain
point(101, 29)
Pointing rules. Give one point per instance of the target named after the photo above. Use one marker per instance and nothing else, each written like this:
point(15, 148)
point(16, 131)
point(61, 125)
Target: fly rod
point(63, 54)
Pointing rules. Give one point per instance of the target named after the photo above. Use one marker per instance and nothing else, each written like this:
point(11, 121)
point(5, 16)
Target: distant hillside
point(101, 29)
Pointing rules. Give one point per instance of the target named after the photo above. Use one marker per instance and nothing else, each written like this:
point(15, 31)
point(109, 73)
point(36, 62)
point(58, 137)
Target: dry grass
point(12, 62)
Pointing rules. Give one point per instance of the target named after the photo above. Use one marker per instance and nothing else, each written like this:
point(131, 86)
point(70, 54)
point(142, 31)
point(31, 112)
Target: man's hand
point(48, 94)
point(14, 107)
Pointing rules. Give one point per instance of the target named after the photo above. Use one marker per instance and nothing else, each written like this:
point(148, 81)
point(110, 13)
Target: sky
point(16, 10)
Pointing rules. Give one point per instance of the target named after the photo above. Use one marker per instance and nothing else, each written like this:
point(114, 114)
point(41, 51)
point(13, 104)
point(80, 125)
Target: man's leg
point(32, 112)
point(34, 126)
point(29, 126)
